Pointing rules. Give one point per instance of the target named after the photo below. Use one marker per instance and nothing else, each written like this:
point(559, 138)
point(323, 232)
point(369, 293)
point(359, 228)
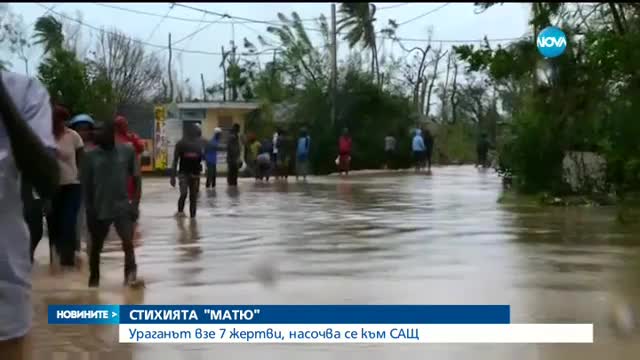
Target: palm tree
point(49, 33)
point(358, 20)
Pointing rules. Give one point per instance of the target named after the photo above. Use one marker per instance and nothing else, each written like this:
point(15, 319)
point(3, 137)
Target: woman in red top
point(344, 148)
point(124, 136)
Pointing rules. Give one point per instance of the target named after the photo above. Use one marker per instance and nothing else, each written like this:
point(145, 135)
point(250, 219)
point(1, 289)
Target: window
point(193, 114)
point(225, 122)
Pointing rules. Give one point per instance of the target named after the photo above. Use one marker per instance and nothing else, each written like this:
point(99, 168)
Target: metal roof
point(231, 105)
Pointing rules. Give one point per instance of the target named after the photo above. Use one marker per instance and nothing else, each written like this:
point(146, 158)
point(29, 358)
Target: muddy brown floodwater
point(374, 239)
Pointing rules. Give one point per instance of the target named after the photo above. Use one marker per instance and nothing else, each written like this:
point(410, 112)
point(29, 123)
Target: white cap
point(217, 130)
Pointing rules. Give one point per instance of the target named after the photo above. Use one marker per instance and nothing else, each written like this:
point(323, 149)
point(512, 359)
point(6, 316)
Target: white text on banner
point(356, 334)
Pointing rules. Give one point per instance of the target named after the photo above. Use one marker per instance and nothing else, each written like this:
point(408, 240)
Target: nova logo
point(552, 42)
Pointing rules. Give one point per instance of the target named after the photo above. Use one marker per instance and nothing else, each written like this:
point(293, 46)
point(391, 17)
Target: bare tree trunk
point(439, 56)
point(377, 65)
point(423, 93)
point(454, 93)
point(445, 90)
point(234, 84)
point(204, 90)
point(26, 65)
point(419, 78)
point(170, 72)
point(617, 18)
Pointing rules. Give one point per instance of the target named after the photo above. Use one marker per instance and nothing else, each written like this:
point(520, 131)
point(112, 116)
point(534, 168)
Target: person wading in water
point(187, 165)
point(233, 156)
point(65, 205)
point(211, 158)
point(105, 176)
point(344, 152)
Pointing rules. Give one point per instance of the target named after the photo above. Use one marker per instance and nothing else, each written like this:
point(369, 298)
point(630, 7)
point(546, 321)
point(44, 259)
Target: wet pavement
point(385, 239)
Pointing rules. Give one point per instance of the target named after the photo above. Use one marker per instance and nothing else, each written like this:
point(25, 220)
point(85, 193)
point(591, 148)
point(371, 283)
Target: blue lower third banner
point(279, 314)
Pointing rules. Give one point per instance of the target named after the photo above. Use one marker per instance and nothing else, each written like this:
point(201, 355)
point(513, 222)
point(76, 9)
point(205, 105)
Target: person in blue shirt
point(302, 152)
point(419, 150)
point(211, 155)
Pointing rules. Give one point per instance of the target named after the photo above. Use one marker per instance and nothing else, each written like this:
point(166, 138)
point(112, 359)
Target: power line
point(158, 24)
point(187, 37)
point(140, 12)
point(392, 6)
point(423, 15)
point(198, 30)
point(43, 14)
point(460, 41)
point(164, 47)
point(249, 20)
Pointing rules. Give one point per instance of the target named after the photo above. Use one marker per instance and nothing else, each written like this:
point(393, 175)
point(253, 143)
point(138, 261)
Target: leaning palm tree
point(358, 19)
point(49, 33)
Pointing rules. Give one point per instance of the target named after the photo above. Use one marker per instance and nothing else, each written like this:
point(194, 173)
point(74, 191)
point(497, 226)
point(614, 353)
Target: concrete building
point(208, 115)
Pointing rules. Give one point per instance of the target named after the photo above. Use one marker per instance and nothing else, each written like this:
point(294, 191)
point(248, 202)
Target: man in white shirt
point(25, 133)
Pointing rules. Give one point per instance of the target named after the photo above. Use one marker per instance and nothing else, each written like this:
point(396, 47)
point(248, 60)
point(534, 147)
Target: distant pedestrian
point(482, 150)
point(211, 157)
point(389, 151)
point(419, 150)
point(302, 154)
point(187, 165)
point(233, 156)
point(264, 161)
point(249, 155)
point(274, 143)
point(285, 148)
point(428, 145)
point(253, 152)
point(105, 176)
point(344, 152)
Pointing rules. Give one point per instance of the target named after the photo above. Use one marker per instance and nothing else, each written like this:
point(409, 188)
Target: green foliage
point(455, 143)
point(49, 33)
point(370, 114)
point(586, 101)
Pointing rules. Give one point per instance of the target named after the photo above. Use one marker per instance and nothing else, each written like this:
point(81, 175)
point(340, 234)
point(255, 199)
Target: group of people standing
point(276, 156)
point(266, 158)
point(99, 185)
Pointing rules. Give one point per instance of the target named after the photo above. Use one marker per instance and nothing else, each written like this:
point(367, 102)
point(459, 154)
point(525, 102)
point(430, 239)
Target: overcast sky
point(449, 22)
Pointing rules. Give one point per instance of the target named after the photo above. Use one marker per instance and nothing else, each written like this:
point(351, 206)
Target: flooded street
point(392, 239)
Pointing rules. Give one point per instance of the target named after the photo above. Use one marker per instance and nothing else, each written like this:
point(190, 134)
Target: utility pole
point(170, 73)
point(224, 74)
point(204, 90)
point(334, 65)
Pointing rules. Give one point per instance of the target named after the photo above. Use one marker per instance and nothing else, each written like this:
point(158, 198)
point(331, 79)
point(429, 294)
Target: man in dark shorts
point(187, 164)
point(105, 176)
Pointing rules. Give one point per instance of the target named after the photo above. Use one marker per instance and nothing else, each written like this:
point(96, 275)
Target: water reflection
point(399, 238)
